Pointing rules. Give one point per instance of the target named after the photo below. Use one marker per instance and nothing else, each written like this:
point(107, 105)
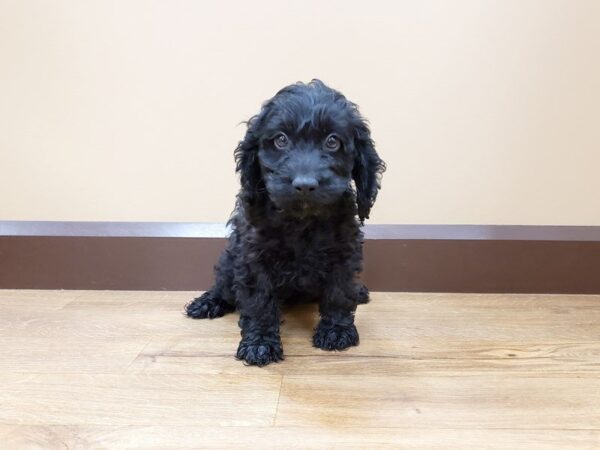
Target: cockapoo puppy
point(309, 177)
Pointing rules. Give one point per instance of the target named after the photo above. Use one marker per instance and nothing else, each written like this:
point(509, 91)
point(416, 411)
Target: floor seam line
point(278, 398)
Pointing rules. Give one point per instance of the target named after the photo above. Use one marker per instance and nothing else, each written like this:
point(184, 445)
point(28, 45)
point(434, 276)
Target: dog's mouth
point(300, 208)
point(313, 204)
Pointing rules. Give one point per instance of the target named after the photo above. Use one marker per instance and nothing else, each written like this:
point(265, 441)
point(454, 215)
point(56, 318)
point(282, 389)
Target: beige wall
point(485, 111)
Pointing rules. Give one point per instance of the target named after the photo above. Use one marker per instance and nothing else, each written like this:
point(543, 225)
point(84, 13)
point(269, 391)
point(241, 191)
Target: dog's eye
point(333, 143)
point(281, 141)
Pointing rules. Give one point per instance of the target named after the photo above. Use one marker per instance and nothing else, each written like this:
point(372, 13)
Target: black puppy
point(295, 229)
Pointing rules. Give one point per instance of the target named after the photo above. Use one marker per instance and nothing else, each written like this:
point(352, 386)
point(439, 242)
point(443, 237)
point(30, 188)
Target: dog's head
point(303, 150)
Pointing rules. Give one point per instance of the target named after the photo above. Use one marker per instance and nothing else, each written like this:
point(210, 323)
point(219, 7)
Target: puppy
point(309, 177)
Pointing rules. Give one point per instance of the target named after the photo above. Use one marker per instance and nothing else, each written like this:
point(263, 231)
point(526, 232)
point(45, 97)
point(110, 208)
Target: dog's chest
point(302, 260)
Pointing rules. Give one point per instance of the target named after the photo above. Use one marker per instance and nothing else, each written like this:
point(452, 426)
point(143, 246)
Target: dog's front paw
point(335, 336)
point(207, 306)
point(260, 350)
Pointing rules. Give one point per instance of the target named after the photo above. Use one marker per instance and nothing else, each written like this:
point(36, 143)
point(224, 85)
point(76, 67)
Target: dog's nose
point(305, 184)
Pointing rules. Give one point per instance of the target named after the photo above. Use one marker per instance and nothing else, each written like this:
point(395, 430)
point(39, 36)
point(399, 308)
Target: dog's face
point(304, 149)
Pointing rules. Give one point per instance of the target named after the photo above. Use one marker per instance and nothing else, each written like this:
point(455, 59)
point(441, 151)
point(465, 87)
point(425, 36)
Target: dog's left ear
point(367, 171)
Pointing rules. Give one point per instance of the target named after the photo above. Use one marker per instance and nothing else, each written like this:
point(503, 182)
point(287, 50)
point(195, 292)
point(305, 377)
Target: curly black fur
point(295, 231)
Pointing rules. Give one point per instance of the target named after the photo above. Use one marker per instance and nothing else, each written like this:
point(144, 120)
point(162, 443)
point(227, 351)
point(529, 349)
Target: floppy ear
point(253, 190)
point(367, 171)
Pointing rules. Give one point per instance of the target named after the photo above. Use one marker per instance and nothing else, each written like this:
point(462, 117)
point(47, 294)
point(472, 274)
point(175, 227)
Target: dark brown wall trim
point(212, 230)
point(113, 229)
point(180, 256)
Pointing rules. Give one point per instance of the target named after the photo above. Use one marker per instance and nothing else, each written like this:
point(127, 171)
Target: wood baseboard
point(180, 256)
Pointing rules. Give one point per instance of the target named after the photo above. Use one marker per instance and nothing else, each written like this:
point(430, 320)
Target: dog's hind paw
point(362, 294)
point(260, 350)
point(207, 306)
point(335, 336)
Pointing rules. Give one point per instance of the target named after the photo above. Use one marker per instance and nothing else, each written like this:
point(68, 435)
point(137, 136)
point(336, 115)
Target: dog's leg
point(219, 300)
point(259, 323)
point(336, 330)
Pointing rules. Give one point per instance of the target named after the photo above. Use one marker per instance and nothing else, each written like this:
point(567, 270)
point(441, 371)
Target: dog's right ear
point(246, 158)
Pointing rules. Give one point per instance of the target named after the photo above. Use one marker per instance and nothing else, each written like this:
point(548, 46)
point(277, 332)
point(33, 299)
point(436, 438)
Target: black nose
point(305, 184)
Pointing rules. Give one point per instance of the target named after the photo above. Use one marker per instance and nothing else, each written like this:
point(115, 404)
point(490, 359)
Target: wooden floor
point(433, 371)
